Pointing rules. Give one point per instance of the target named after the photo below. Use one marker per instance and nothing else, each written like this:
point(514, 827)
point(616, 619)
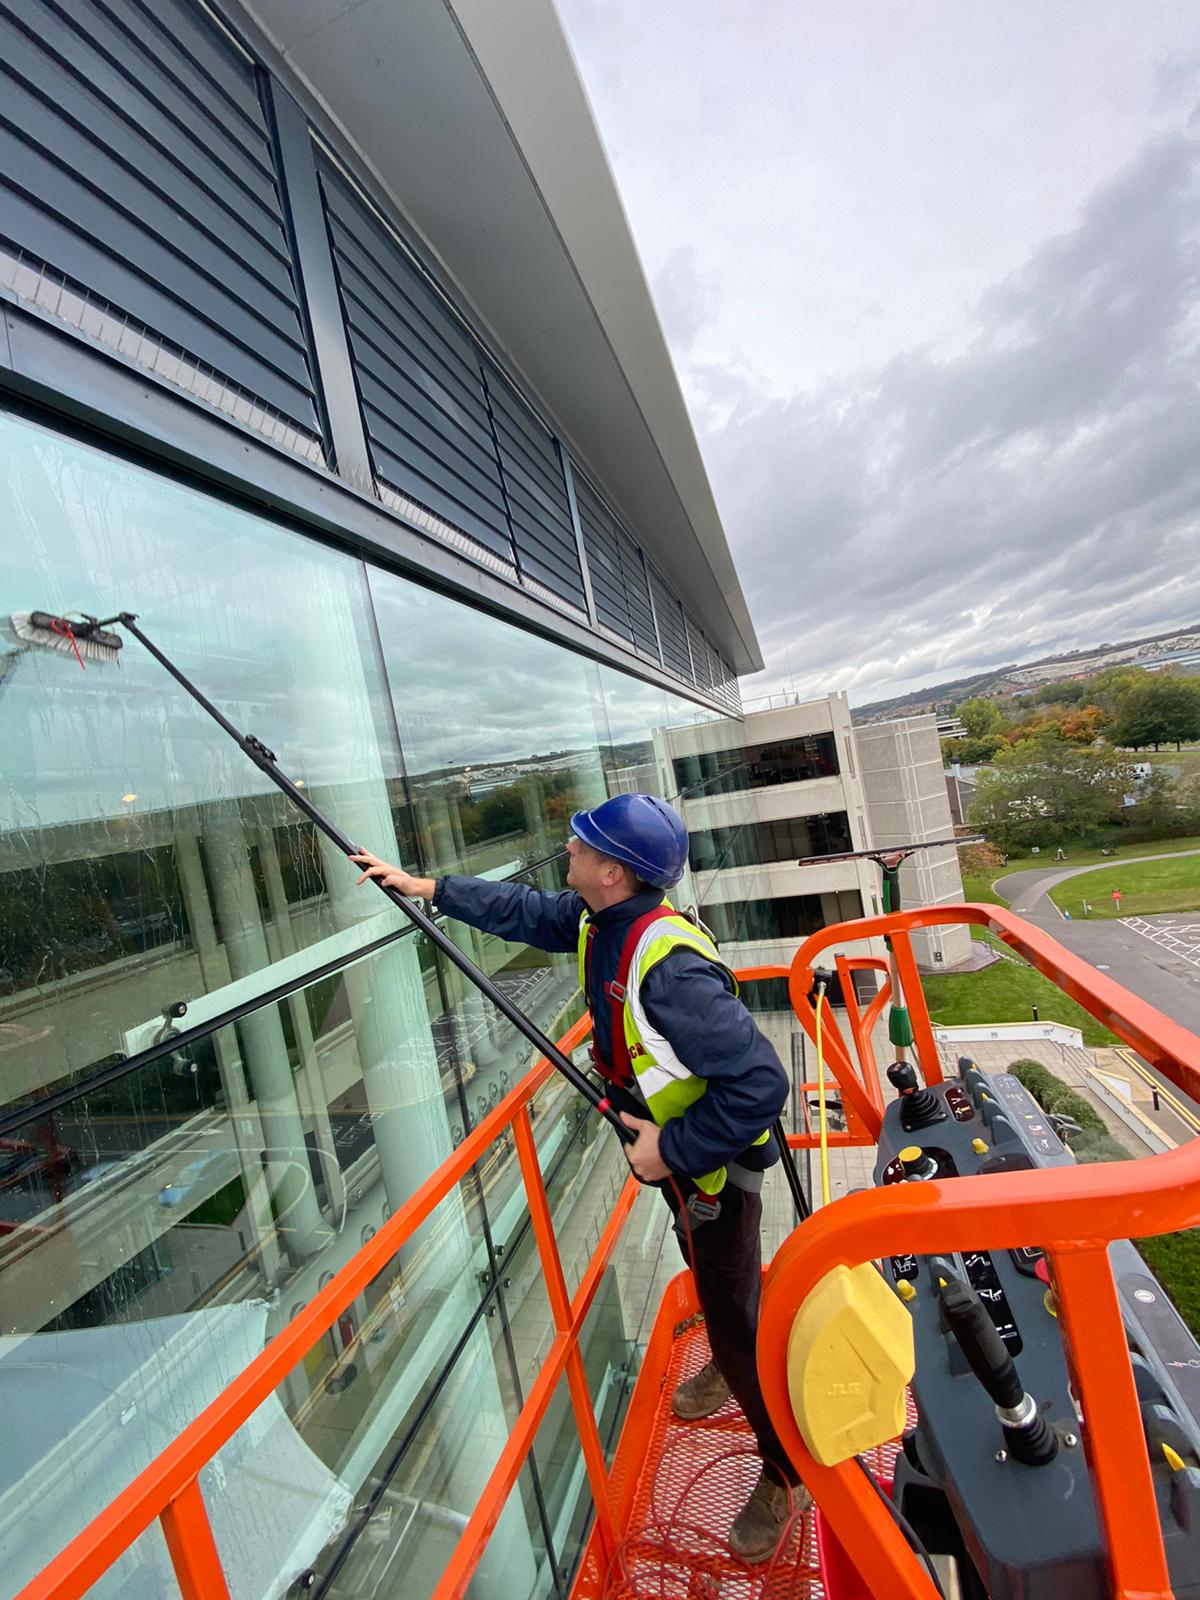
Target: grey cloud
point(1036, 488)
point(684, 298)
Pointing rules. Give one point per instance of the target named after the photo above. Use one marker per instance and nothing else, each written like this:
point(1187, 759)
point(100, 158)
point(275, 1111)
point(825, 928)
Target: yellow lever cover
point(850, 1356)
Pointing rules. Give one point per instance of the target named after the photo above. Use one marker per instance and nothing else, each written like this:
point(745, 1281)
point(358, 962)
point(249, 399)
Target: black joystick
point(1026, 1432)
point(919, 1107)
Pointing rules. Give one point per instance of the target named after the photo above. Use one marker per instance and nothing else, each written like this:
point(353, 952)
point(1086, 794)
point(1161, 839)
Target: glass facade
point(759, 766)
point(789, 917)
point(158, 1225)
point(754, 843)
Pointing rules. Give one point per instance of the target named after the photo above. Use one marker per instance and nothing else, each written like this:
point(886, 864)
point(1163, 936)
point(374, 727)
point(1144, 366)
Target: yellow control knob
point(905, 1290)
point(914, 1163)
point(979, 1146)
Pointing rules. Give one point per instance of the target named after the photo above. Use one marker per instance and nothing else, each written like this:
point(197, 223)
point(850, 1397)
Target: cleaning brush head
point(80, 636)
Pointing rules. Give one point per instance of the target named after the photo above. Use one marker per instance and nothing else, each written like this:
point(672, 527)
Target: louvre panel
point(536, 490)
point(672, 630)
point(603, 559)
point(418, 373)
point(637, 594)
point(699, 649)
point(716, 671)
point(136, 167)
point(729, 691)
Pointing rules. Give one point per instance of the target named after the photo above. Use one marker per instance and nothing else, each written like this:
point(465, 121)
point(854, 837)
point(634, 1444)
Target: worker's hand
point(393, 877)
point(643, 1154)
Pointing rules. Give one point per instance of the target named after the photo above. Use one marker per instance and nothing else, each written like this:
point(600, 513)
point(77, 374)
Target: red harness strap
point(620, 1070)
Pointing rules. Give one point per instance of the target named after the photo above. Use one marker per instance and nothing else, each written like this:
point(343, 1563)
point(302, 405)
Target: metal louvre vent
point(728, 690)
point(535, 492)
point(603, 559)
point(672, 630)
point(617, 570)
point(137, 175)
point(637, 594)
point(701, 662)
point(418, 374)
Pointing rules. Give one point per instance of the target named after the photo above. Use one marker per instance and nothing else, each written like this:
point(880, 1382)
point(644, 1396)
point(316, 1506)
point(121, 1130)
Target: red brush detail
point(63, 628)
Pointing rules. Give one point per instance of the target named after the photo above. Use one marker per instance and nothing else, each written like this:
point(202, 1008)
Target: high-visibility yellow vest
point(664, 1083)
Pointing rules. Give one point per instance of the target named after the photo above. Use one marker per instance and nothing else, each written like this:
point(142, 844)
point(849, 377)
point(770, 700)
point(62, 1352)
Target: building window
point(758, 766)
point(789, 917)
point(790, 839)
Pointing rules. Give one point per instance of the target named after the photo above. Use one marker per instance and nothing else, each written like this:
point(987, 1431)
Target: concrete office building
point(907, 802)
point(324, 348)
point(816, 786)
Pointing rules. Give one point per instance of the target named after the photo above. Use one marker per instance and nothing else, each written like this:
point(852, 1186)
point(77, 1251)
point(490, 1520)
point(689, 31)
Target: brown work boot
point(758, 1526)
point(700, 1396)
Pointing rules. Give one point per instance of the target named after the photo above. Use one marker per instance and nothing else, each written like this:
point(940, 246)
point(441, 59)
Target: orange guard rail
point(1072, 1213)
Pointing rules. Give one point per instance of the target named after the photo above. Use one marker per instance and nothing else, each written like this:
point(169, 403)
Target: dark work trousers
point(728, 1273)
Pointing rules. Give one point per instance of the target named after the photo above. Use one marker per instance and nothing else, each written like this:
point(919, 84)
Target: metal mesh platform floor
point(677, 1486)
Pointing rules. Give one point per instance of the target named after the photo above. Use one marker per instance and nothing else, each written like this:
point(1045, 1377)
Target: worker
point(689, 1072)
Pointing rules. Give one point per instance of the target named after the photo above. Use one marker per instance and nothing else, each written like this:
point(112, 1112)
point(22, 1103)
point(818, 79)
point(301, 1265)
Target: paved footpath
point(1132, 950)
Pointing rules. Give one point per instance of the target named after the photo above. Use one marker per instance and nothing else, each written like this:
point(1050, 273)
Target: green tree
point(1107, 687)
point(971, 752)
point(1180, 701)
point(980, 716)
point(1066, 692)
point(1157, 711)
point(1156, 813)
point(1139, 720)
point(1044, 789)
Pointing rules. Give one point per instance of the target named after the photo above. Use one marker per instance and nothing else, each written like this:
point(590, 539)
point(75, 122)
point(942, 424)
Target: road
point(1161, 974)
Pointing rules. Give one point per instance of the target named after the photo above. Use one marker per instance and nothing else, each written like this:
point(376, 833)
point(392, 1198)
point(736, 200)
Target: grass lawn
point(1007, 991)
point(977, 887)
point(1146, 887)
point(1093, 858)
point(1187, 759)
point(1175, 1260)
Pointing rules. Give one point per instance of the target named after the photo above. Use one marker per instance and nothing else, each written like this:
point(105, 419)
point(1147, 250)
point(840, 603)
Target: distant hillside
point(1158, 649)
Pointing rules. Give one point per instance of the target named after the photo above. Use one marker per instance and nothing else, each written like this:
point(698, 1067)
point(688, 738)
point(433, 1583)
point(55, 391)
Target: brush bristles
point(93, 644)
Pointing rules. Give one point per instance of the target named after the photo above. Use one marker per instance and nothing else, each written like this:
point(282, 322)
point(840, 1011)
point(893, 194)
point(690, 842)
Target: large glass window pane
point(752, 844)
point(144, 860)
point(787, 917)
point(413, 1502)
point(501, 741)
point(797, 760)
point(160, 1229)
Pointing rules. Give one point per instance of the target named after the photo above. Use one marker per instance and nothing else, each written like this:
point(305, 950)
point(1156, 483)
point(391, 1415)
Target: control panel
point(994, 1472)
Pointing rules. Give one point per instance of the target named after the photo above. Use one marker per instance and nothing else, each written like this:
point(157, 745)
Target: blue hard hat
point(640, 831)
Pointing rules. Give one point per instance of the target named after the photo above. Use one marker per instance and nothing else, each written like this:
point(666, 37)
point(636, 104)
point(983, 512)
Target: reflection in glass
point(787, 917)
point(150, 879)
point(796, 760)
point(752, 844)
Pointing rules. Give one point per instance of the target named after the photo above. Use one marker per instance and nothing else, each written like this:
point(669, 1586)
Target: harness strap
point(620, 1069)
point(616, 991)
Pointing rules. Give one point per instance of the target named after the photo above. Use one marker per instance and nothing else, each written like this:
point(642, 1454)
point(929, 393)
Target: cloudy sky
point(929, 273)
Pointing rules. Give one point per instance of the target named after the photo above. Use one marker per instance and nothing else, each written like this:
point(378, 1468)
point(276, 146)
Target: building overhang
point(472, 118)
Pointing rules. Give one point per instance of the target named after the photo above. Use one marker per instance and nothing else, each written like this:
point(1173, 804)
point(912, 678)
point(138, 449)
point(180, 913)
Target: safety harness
point(621, 1070)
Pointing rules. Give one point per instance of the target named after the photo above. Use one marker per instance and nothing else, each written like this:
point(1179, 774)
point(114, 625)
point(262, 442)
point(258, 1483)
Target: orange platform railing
point(169, 1490)
point(1071, 1213)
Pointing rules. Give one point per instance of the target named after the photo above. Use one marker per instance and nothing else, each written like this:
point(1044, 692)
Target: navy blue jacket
point(688, 999)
